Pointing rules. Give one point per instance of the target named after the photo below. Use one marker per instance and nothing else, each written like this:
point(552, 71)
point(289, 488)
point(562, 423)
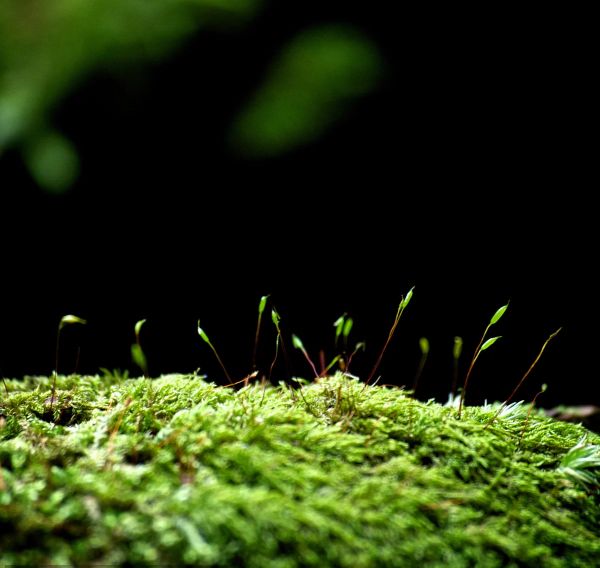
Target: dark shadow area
point(465, 174)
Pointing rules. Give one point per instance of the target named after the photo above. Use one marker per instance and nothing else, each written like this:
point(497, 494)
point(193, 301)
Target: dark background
point(466, 174)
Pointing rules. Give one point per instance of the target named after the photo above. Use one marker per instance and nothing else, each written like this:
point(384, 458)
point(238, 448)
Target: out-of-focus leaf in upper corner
point(310, 85)
point(47, 48)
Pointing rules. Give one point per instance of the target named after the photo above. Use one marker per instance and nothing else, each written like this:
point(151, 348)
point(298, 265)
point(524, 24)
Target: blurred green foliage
point(308, 87)
point(48, 48)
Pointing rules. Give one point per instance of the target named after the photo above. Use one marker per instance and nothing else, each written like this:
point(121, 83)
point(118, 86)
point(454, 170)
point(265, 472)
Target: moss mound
point(177, 471)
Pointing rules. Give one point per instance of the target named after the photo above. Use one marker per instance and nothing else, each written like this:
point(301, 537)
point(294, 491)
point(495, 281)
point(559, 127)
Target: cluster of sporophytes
point(109, 470)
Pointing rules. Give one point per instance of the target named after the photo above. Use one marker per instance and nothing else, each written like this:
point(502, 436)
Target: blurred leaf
point(138, 357)
point(348, 327)
point(424, 345)
point(48, 48)
point(458, 345)
point(308, 88)
point(339, 326)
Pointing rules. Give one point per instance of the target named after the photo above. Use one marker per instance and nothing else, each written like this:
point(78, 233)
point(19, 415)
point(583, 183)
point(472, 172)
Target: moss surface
point(182, 472)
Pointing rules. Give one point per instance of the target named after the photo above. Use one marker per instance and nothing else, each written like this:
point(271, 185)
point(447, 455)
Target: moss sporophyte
point(187, 472)
point(176, 470)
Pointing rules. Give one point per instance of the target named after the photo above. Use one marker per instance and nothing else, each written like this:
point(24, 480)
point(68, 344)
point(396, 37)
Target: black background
point(465, 174)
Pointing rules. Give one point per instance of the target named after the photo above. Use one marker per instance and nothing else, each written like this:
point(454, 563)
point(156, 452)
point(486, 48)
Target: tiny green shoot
point(137, 353)
point(499, 313)
point(138, 329)
point(299, 345)
point(456, 353)
point(64, 321)
point(348, 324)
point(489, 343)
point(343, 326)
point(206, 340)
point(276, 319)
point(262, 304)
point(339, 327)
point(70, 319)
point(401, 307)
point(328, 368)
point(424, 346)
point(360, 346)
point(483, 345)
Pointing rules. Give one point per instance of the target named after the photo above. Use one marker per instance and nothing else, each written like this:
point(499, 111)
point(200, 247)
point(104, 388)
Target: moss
point(177, 471)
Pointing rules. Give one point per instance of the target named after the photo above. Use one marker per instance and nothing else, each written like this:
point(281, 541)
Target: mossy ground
point(178, 471)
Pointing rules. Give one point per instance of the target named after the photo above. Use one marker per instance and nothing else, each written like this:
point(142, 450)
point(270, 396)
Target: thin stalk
point(276, 318)
point(298, 345)
point(535, 362)
point(206, 340)
point(403, 303)
point(261, 308)
point(481, 347)
point(65, 320)
point(456, 353)
point(531, 367)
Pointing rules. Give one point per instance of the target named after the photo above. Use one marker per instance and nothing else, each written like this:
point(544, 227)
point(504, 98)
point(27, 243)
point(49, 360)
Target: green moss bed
point(177, 471)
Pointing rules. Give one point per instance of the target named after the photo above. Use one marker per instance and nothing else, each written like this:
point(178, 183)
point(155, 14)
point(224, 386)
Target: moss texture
point(178, 471)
